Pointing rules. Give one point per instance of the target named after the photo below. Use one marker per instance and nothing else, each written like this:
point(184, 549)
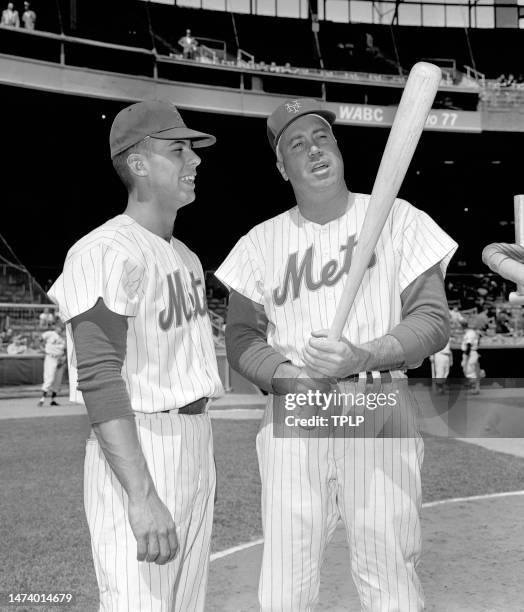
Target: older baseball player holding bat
point(141, 347)
point(286, 278)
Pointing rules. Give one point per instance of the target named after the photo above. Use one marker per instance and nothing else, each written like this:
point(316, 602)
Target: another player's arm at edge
point(100, 343)
point(424, 330)
point(505, 259)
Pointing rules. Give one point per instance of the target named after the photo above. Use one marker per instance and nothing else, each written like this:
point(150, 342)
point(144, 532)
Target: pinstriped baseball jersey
point(160, 287)
point(296, 270)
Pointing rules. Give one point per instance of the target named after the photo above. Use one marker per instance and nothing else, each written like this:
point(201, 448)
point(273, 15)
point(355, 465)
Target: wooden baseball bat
point(411, 116)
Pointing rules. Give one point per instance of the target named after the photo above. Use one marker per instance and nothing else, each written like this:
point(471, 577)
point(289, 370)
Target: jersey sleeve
point(241, 270)
point(419, 242)
point(100, 272)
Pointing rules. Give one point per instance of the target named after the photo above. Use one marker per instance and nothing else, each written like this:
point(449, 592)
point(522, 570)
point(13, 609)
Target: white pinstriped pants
point(373, 485)
point(179, 453)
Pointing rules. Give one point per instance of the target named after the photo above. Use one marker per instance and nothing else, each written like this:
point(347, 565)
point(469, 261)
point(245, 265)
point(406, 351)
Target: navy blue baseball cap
point(154, 118)
point(283, 116)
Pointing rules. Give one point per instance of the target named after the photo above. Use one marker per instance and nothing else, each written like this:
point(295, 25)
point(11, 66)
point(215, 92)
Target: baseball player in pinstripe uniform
point(286, 276)
point(54, 362)
point(141, 350)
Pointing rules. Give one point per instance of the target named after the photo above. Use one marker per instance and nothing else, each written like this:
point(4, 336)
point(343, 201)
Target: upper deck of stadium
point(354, 54)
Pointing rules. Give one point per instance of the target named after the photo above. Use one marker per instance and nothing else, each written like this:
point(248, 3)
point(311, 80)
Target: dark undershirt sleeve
point(424, 328)
point(247, 349)
point(99, 336)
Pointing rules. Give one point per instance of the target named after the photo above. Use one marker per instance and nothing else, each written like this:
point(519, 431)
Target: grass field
point(42, 527)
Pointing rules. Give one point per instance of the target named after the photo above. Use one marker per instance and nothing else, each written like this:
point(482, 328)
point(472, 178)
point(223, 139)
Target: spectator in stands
point(457, 316)
point(6, 336)
point(448, 103)
point(46, 319)
point(54, 362)
point(28, 17)
point(482, 319)
point(189, 45)
point(378, 62)
point(10, 17)
point(18, 346)
point(502, 322)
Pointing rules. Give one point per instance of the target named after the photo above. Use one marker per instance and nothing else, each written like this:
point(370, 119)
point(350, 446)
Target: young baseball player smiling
point(140, 340)
point(286, 276)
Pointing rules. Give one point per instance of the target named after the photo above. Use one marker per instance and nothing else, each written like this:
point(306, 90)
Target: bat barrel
point(410, 119)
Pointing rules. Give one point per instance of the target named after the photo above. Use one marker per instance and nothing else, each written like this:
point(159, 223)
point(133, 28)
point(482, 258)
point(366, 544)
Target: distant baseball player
point(54, 363)
point(441, 363)
point(141, 344)
point(286, 276)
point(470, 356)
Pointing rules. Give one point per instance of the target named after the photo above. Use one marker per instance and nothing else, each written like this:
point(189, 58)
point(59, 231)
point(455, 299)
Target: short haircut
point(120, 162)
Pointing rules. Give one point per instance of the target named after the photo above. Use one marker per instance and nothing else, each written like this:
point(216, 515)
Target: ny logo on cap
point(292, 107)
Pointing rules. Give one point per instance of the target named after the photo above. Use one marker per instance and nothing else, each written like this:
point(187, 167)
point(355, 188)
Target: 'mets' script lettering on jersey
point(181, 303)
point(330, 275)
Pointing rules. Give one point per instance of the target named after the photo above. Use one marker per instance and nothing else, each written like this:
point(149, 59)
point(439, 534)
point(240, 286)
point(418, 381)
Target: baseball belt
point(367, 377)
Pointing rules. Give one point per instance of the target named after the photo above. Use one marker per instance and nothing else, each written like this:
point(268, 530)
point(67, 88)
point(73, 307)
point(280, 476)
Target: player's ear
point(282, 170)
point(137, 164)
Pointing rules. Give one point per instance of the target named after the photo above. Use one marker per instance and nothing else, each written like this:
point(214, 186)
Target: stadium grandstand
point(22, 301)
point(85, 61)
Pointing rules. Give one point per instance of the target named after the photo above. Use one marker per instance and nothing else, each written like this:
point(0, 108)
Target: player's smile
point(188, 179)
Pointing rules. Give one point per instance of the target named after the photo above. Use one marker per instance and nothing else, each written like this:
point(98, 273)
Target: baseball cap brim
point(329, 116)
point(198, 139)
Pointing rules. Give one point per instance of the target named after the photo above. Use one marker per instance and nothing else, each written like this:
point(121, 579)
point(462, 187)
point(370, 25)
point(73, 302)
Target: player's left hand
point(333, 358)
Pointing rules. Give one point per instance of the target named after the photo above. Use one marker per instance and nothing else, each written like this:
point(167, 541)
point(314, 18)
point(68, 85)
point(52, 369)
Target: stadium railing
point(64, 56)
point(22, 317)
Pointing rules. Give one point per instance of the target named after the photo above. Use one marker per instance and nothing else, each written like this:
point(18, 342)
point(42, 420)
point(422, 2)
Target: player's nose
point(193, 159)
point(313, 150)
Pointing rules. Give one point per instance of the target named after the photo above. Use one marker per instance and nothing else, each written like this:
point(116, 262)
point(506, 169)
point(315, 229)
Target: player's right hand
point(154, 530)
